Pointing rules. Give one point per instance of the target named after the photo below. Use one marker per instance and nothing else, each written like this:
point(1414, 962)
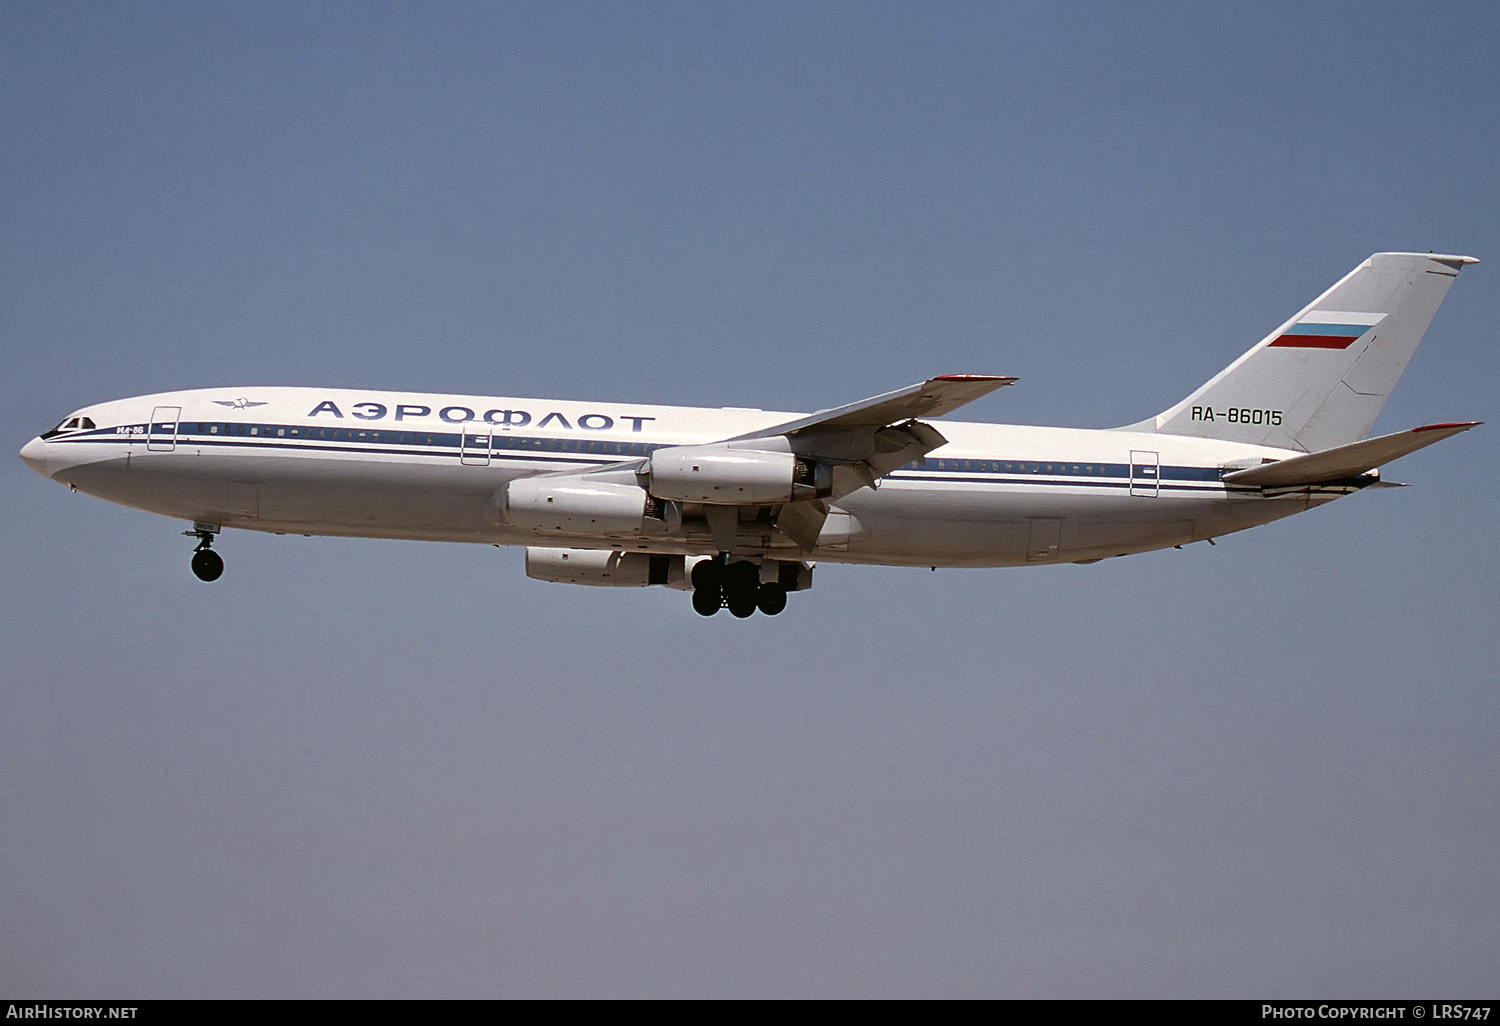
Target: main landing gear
point(720, 584)
point(207, 564)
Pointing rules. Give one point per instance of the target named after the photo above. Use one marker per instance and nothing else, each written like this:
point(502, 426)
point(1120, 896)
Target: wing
point(862, 442)
point(931, 398)
point(796, 468)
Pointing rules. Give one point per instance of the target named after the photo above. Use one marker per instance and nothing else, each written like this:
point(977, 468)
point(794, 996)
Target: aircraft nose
point(34, 453)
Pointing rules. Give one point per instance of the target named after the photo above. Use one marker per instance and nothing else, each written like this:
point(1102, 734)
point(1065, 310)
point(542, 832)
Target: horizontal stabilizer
point(1344, 461)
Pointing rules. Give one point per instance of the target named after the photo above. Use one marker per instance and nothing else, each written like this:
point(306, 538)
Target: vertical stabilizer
point(1322, 378)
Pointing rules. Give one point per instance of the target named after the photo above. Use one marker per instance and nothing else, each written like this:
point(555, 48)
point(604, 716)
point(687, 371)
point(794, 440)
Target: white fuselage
point(420, 466)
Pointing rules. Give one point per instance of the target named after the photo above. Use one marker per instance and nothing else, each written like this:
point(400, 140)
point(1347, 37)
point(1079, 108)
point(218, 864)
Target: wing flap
point(802, 522)
point(1345, 461)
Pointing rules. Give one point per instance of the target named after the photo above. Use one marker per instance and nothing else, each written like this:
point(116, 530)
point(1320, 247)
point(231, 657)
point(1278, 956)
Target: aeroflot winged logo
point(237, 404)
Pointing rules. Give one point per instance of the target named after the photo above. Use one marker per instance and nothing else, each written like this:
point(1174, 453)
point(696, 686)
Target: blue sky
point(358, 768)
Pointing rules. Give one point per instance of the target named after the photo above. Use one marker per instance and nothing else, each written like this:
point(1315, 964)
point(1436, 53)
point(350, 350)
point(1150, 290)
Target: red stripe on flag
point(1315, 341)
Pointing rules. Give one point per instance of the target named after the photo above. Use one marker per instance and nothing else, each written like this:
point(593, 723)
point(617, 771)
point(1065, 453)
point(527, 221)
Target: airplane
point(737, 505)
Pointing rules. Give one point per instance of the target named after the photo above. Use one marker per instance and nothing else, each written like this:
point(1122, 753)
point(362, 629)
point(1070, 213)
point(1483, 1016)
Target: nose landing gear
point(207, 564)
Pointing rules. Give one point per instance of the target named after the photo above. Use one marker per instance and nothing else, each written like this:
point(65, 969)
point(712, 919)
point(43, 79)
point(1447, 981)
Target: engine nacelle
point(602, 568)
point(724, 476)
point(577, 505)
point(605, 568)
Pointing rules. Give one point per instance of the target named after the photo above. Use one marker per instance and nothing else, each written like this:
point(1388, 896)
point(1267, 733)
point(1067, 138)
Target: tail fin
point(1322, 378)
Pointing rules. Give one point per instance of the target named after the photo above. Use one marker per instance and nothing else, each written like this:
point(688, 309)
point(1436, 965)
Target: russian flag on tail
point(1324, 334)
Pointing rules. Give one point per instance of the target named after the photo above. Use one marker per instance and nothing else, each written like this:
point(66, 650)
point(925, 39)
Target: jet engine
point(578, 505)
point(725, 476)
point(611, 568)
point(602, 567)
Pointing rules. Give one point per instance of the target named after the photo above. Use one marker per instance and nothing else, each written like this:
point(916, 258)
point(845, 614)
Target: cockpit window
point(71, 424)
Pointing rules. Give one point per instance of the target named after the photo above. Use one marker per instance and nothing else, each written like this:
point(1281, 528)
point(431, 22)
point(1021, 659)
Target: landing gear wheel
point(741, 581)
point(207, 565)
point(708, 575)
point(706, 601)
point(742, 575)
point(741, 603)
point(771, 598)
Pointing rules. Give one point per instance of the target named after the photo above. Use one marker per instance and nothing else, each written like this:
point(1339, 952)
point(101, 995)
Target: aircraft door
point(1044, 539)
point(1145, 473)
point(474, 451)
point(161, 433)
